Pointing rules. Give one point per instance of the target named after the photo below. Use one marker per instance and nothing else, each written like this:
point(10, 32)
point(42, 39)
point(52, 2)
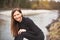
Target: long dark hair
point(14, 28)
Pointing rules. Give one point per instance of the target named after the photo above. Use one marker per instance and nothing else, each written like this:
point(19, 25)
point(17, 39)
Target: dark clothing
point(32, 31)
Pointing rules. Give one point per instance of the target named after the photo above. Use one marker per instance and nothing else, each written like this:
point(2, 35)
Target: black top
point(30, 27)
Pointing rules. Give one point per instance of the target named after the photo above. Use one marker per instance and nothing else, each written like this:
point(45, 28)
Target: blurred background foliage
point(54, 30)
point(29, 4)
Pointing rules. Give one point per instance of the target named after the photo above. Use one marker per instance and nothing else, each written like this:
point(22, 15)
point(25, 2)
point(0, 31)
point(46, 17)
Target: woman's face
point(17, 16)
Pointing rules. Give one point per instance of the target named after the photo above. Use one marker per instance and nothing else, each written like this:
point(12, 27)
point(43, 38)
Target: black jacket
point(31, 28)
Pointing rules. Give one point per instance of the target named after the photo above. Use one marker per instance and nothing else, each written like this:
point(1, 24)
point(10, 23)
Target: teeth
point(17, 18)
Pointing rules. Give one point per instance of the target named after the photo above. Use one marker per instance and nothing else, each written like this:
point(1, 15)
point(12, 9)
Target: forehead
point(16, 12)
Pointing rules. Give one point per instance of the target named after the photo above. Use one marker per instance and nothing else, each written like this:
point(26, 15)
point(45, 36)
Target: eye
point(17, 14)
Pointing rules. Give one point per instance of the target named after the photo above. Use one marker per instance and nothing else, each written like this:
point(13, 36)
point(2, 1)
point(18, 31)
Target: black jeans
point(28, 36)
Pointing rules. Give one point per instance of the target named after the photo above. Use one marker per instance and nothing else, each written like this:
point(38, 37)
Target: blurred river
point(40, 17)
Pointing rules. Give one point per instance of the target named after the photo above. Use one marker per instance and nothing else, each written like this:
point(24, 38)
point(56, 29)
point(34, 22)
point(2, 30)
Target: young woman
point(22, 27)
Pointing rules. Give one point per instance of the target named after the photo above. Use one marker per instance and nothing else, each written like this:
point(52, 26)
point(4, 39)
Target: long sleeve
point(33, 27)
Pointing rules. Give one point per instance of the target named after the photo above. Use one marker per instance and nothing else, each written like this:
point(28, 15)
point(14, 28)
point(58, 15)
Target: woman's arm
point(33, 27)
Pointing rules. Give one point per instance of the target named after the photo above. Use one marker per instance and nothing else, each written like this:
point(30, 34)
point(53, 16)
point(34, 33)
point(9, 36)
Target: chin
point(17, 20)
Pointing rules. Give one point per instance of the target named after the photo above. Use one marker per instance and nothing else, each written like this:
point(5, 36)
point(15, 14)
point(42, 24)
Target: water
point(40, 17)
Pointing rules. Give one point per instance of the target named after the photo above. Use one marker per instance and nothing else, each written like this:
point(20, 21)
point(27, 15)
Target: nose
point(16, 16)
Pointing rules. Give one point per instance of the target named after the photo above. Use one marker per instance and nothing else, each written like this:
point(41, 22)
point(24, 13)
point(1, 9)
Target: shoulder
point(27, 19)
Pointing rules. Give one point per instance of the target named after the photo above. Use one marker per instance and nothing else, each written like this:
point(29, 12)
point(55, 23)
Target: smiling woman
point(17, 16)
point(22, 27)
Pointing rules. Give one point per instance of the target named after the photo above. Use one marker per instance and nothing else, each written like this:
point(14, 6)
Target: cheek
point(14, 17)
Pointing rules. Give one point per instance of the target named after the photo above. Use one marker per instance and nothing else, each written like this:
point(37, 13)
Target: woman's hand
point(21, 30)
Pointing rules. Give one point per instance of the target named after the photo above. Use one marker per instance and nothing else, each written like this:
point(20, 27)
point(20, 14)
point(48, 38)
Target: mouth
point(18, 19)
